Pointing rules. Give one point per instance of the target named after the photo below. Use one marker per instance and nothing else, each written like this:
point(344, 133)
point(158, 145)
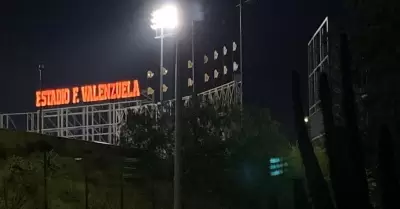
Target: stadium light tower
point(164, 18)
point(167, 17)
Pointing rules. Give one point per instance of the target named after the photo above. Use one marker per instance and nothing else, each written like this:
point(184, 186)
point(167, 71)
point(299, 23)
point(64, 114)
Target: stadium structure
point(102, 122)
point(323, 56)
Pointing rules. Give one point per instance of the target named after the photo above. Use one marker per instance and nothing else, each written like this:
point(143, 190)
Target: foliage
point(323, 161)
point(296, 165)
point(18, 183)
point(21, 183)
point(224, 155)
point(66, 185)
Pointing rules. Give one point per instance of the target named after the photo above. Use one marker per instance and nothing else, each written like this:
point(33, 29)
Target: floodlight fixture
point(165, 18)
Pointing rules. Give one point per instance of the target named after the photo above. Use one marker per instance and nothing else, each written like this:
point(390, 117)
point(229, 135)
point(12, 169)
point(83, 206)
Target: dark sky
point(84, 42)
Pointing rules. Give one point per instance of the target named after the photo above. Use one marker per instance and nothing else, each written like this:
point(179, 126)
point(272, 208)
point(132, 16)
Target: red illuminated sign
point(88, 93)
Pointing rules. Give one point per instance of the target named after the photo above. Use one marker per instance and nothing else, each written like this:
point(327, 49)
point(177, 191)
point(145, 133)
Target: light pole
point(164, 18)
point(240, 5)
point(41, 68)
point(177, 159)
point(167, 17)
point(45, 160)
point(241, 52)
point(193, 88)
point(161, 65)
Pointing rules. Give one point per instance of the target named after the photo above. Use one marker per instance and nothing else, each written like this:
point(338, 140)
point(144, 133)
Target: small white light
point(190, 82)
point(150, 91)
point(190, 64)
point(306, 119)
point(235, 66)
point(164, 71)
point(206, 77)
point(150, 74)
point(215, 55)
point(216, 73)
point(225, 70)
point(165, 88)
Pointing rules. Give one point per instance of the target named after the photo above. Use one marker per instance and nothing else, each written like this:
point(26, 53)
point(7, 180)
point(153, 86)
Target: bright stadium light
point(165, 18)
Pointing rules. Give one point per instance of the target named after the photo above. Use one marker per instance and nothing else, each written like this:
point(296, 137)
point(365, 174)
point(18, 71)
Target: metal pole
point(45, 179)
point(41, 107)
point(177, 159)
point(86, 184)
point(161, 65)
point(194, 83)
point(122, 178)
point(241, 53)
point(45, 161)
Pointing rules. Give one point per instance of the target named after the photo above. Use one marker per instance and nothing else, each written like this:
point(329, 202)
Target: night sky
point(85, 42)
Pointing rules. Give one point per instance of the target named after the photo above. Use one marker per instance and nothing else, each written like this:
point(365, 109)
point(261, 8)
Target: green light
point(276, 166)
point(277, 173)
point(274, 160)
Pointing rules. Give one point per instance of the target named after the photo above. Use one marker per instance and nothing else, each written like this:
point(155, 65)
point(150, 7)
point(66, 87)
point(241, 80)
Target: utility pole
point(194, 84)
point(121, 159)
point(45, 160)
point(40, 68)
point(240, 5)
point(241, 53)
point(85, 171)
point(178, 106)
point(162, 66)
